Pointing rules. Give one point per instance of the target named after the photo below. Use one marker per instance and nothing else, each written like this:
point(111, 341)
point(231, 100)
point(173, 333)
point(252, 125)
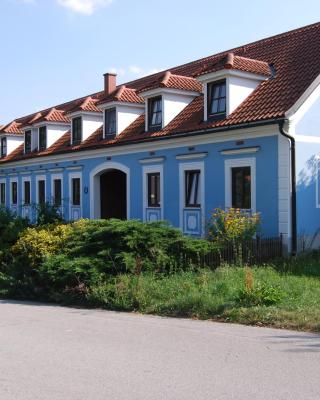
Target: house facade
point(236, 129)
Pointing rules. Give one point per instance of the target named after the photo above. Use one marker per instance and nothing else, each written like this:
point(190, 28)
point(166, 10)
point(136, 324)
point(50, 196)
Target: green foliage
point(47, 213)
point(261, 294)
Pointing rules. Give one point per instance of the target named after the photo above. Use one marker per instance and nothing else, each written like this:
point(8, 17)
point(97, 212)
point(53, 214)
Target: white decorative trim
point(80, 113)
point(191, 156)
point(152, 160)
point(51, 170)
point(243, 150)
point(224, 73)
point(77, 168)
point(159, 91)
point(113, 104)
point(185, 167)
point(95, 207)
point(147, 169)
point(234, 163)
point(39, 171)
point(74, 175)
point(169, 143)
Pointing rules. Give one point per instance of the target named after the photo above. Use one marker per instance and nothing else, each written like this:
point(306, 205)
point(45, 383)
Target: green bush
point(261, 294)
point(47, 213)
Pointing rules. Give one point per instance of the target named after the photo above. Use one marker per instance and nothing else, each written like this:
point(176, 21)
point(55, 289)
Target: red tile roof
point(173, 81)
point(122, 94)
point(88, 104)
point(12, 128)
point(295, 56)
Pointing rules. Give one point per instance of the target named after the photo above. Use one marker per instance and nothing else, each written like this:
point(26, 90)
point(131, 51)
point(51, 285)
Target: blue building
point(236, 129)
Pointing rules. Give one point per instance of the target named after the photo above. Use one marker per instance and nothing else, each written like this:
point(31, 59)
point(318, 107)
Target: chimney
point(110, 84)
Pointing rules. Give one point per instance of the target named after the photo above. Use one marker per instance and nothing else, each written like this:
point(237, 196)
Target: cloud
point(86, 7)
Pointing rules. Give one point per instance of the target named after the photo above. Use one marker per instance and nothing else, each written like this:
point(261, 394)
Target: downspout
point(293, 188)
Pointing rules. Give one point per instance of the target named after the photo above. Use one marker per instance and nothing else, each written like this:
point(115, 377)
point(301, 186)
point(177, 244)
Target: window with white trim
point(241, 187)
point(3, 193)
point(14, 192)
point(3, 147)
point(26, 192)
point(41, 191)
point(76, 191)
point(192, 188)
point(57, 192)
point(76, 130)
point(110, 122)
point(153, 182)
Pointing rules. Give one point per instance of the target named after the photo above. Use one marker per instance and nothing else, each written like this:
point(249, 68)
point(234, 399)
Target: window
point(27, 142)
point(192, 188)
point(42, 138)
point(27, 193)
point(154, 189)
point(3, 193)
point(3, 147)
point(110, 122)
point(76, 130)
point(241, 187)
point(14, 192)
point(155, 113)
point(57, 193)
point(217, 100)
point(41, 191)
point(76, 191)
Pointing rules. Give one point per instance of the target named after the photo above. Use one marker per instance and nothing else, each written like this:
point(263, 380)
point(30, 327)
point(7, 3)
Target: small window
point(14, 192)
point(241, 188)
point(155, 113)
point(3, 147)
point(110, 122)
point(41, 191)
point(154, 189)
point(3, 193)
point(76, 191)
point(27, 141)
point(42, 138)
point(192, 188)
point(76, 130)
point(27, 193)
point(217, 100)
point(57, 193)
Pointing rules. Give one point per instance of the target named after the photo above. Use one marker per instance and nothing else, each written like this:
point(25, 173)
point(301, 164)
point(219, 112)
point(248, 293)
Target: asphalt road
point(50, 352)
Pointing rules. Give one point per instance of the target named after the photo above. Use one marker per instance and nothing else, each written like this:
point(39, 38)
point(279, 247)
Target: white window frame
point(236, 163)
point(23, 180)
point(149, 169)
point(104, 119)
point(73, 175)
point(11, 181)
point(5, 192)
point(53, 178)
point(183, 167)
point(41, 178)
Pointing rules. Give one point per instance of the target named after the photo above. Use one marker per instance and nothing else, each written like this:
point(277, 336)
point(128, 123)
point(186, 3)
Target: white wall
point(238, 89)
point(173, 104)
point(13, 142)
point(126, 115)
point(54, 132)
point(90, 123)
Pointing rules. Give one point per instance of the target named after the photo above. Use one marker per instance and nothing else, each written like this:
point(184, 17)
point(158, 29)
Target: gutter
point(293, 187)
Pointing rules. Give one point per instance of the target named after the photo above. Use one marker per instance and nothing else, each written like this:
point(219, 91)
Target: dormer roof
point(173, 81)
point(12, 128)
point(122, 94)
point(88, 104)
point(231, 61)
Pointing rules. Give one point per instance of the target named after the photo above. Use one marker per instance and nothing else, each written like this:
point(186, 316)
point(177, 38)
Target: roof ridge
point(119, 92)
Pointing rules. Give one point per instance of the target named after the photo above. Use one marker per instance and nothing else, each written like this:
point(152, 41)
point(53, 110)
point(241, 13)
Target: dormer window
point(27, 142)
point(42, 138)
point(110, 127)
point(76, 130)
point(155, 113)
point(3, 147)
point(217, 100)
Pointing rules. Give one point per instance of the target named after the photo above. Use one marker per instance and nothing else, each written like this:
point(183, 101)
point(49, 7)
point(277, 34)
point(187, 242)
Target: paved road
point(52, 353)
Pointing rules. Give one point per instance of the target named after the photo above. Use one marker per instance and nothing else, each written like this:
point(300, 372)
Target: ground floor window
point(3, 193)
point(76, 193)
point(41, 191)
point(57, 192)
point(27, 193)
point(14, 192)
point(153, 189)
point(241, 187)
point(192, 188)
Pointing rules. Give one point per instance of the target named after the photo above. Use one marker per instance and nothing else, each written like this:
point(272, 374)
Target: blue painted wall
point(266, 179)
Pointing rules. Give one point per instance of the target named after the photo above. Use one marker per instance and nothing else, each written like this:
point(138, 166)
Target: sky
point(52, 51)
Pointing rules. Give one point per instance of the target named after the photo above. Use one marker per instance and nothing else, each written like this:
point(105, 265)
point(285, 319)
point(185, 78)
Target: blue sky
point(57, 50)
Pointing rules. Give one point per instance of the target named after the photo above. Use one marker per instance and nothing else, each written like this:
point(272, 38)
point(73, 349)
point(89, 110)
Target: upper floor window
point(42, 138)
point(217, 100)
point(154, 189)
point(3, 193)
point(3, 147)
point(192, 188)
point(110, 122)
point(27, 141)
point(241, 187)
point(155, 113)
point(76, 130)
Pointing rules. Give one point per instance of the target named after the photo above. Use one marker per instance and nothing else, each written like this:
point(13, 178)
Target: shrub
point(261, 294)
point(47, 213)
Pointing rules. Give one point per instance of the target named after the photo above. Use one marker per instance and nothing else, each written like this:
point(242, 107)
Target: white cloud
point(86, 7)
